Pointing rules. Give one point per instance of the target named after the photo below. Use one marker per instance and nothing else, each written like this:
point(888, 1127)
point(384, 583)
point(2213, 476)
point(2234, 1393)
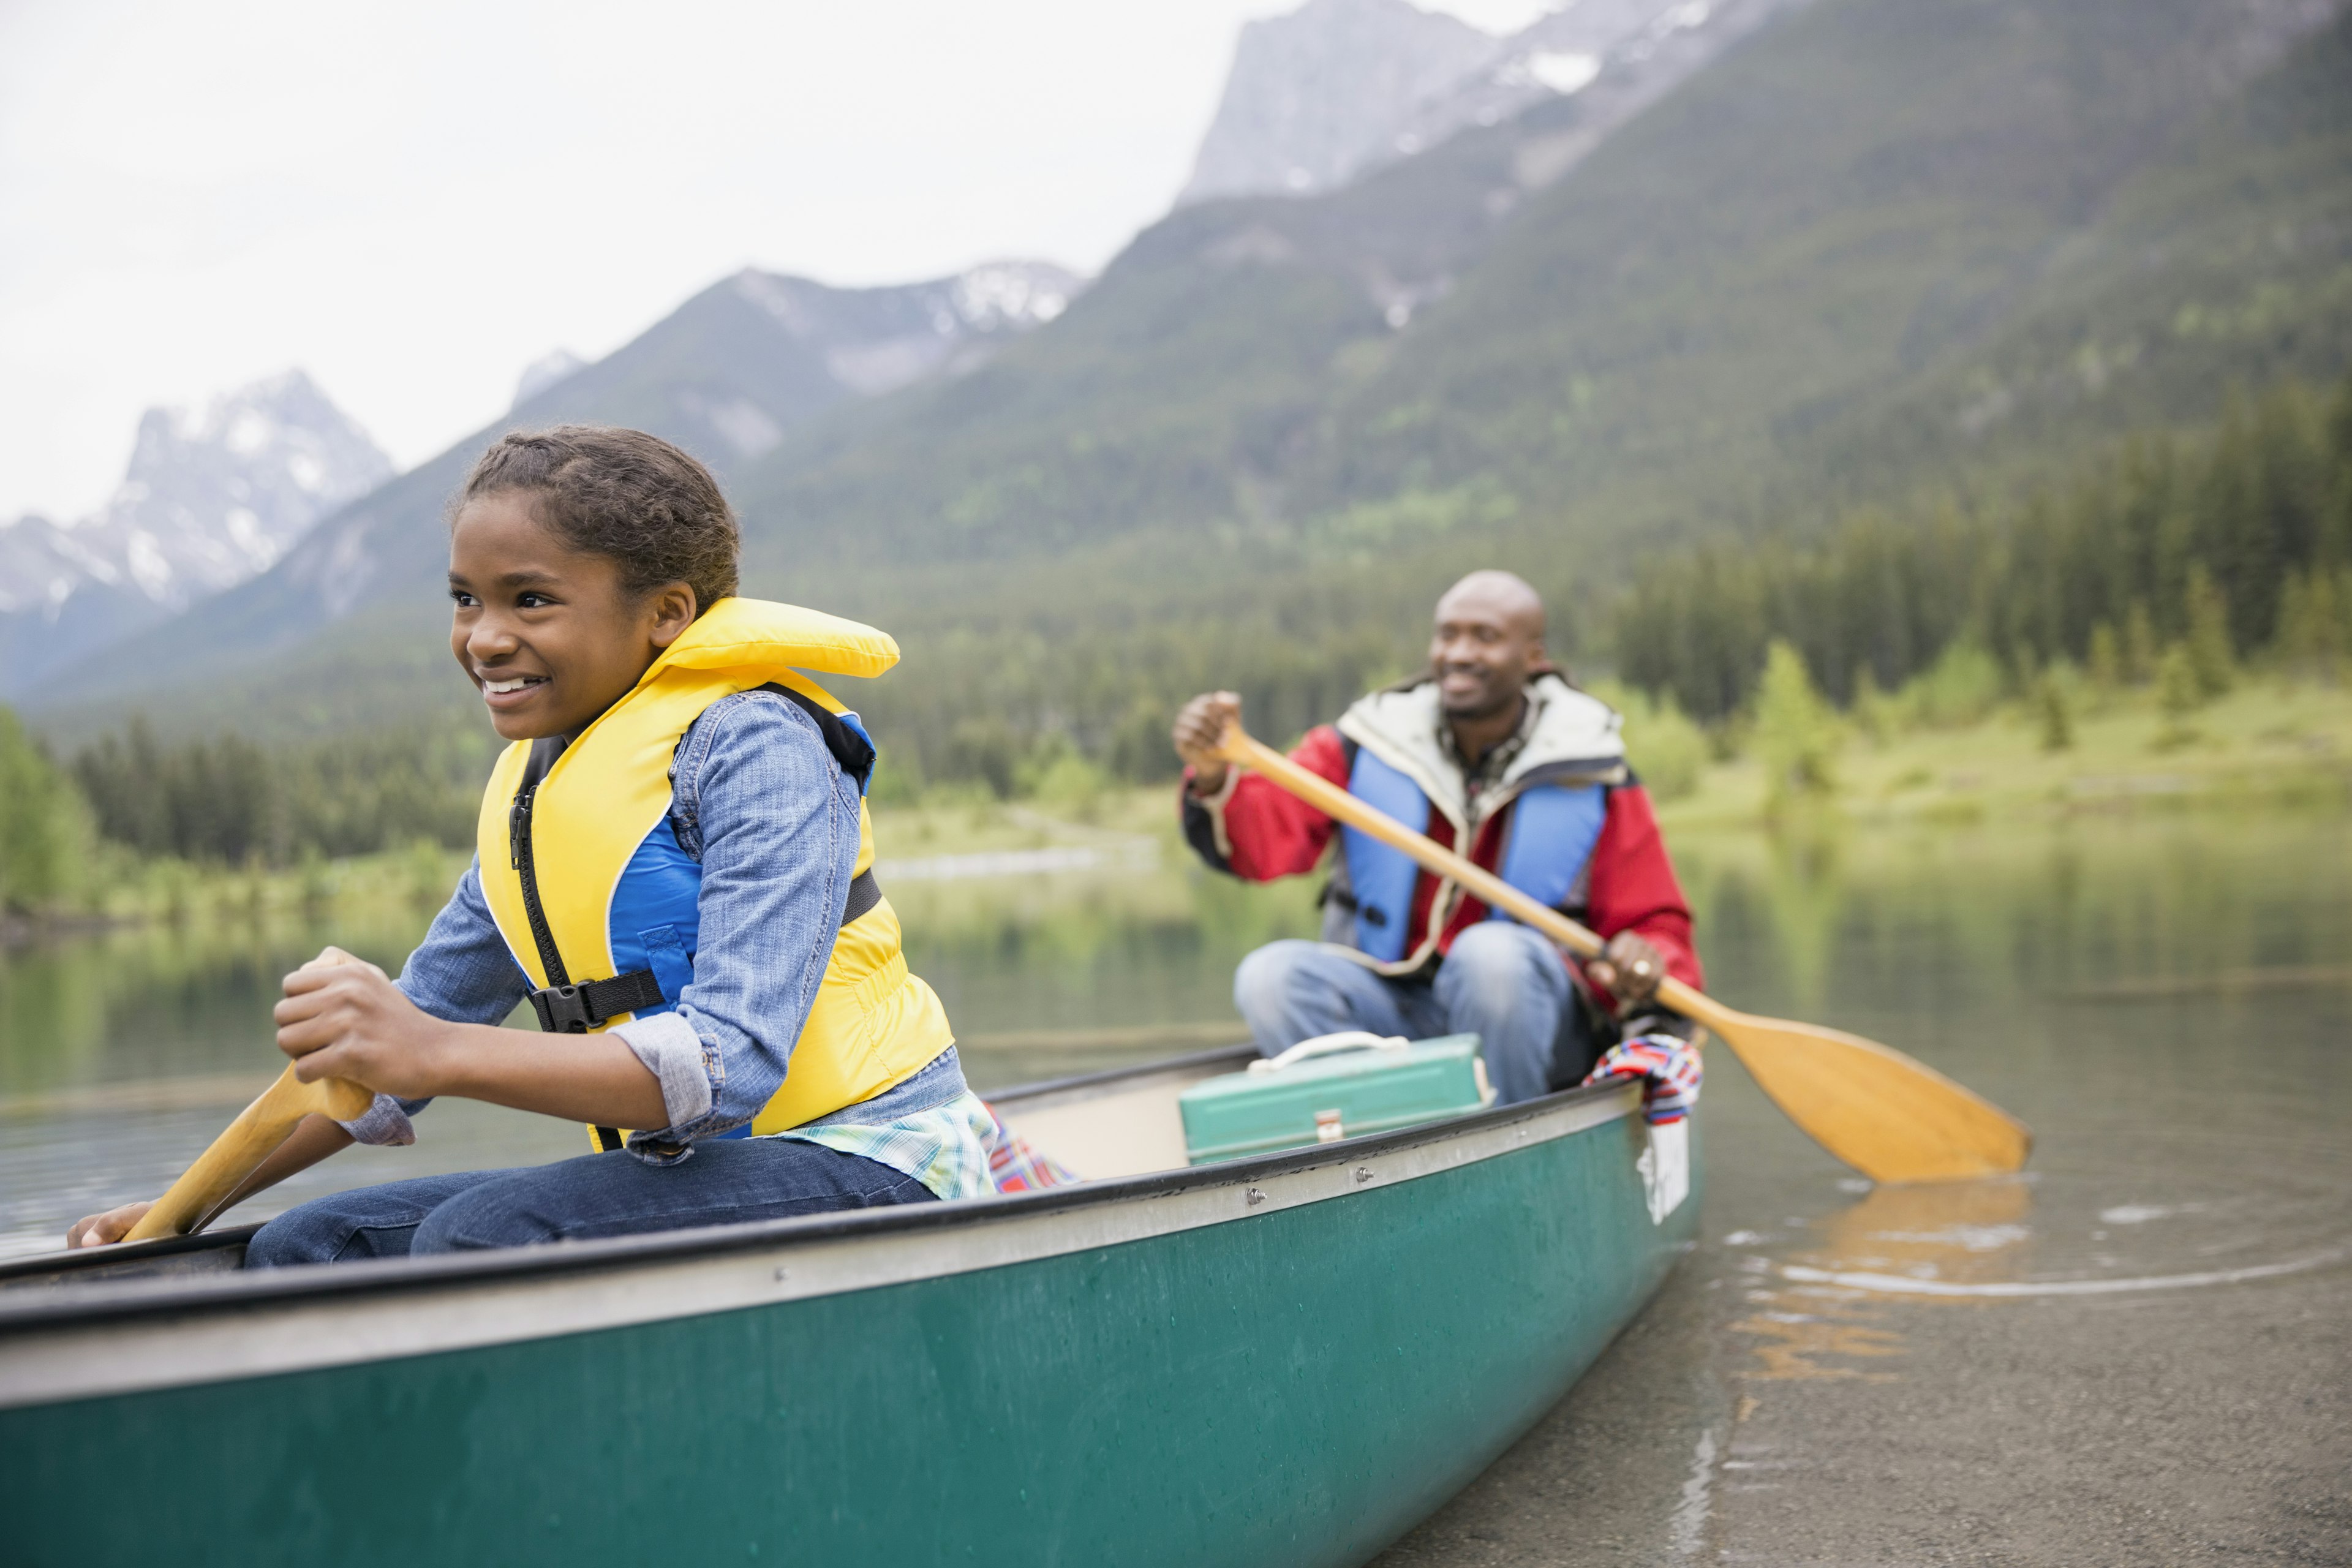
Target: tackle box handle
point(1330, 1046)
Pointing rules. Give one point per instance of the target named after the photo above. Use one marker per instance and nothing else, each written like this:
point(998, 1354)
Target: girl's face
point(546, 633)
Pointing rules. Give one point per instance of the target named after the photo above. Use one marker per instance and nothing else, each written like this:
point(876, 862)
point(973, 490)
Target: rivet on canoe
point(1363, 1175)
point(1253, 1197)
point(783, 1274)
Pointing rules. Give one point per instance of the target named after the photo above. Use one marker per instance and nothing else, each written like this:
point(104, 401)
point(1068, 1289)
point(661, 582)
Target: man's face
point(1487, 643)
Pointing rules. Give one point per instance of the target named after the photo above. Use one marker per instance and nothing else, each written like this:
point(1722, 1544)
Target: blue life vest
point(1552, 830)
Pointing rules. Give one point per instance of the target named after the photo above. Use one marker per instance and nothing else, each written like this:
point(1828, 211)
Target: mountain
point(1316, 96)
point(743, 361)
point(1324, 95)
point(1854, 215)
point(543, 372)
point(2219, 263)
point(213, 497)
point(1857, 249)
point(1274, 428)
point(1668, 328)
point(1630, 53)
point(727, 376)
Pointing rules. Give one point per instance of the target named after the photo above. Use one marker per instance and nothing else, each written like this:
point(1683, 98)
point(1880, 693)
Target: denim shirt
point(760, 802)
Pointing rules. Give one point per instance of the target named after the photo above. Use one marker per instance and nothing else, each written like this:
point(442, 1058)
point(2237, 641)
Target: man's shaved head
point(1496, 592)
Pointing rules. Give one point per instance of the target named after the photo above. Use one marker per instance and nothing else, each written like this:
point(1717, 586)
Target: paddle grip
point(249, 1140)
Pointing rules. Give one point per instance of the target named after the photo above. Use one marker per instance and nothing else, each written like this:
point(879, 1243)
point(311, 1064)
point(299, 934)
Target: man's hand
point(103, 1229)
point(1629, 969)
point(344, 1018)
point(1200, 727)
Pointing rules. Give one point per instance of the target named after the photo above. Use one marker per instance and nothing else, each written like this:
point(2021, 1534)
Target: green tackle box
point(1334, 1086)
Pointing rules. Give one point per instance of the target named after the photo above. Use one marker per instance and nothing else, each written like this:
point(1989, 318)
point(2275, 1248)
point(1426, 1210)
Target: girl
point(675, 869)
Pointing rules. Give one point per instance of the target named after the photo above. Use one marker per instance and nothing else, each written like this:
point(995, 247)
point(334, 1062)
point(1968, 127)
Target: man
point(1490, 749)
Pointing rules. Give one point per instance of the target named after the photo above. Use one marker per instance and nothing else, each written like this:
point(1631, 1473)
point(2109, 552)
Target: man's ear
point(674, 610)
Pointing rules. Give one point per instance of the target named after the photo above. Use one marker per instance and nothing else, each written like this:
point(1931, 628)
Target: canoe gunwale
point(108, 1300)
point(123, 1253)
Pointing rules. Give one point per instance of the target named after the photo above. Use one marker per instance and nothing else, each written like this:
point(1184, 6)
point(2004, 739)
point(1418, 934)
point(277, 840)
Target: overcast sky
point(412, 200)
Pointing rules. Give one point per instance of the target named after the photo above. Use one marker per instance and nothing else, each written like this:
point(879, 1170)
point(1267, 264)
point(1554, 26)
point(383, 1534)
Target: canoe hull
point(1297, 1383)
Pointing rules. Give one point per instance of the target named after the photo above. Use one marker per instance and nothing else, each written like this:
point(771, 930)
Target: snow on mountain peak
point(1336, 89)
point(878, 340)
point(1317, 95)
point(1562, 71)
point(543, 372)
point(1012, 294)
point(213, 494)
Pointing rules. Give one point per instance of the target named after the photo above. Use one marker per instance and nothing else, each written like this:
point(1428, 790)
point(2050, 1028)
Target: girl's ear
point(674, 610)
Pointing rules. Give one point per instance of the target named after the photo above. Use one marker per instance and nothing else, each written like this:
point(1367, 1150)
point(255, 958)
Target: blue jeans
point(1501, 981)
point(579, 1200)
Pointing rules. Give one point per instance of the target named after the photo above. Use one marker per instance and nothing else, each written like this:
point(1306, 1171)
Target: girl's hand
point(344, 1018)
point(100, 1229)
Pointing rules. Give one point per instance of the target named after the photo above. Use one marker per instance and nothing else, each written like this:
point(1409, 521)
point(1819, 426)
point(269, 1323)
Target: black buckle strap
point(576, 1009)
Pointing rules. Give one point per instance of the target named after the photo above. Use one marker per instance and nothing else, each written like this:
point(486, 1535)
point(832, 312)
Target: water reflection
point(1951, 1231)
point(168, 1001)
point(1811, 1322)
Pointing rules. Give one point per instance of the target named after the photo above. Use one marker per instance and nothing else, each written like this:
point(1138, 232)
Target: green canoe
point(1284, 1360)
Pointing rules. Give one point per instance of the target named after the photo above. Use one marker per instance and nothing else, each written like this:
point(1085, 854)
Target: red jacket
point(1259, 832)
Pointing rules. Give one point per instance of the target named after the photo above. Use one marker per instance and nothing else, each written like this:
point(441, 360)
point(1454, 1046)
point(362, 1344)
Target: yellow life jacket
point(599, 904)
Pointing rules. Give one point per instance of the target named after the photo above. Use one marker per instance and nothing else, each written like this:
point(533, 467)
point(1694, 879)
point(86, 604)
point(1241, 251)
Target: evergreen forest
point(2236, 545)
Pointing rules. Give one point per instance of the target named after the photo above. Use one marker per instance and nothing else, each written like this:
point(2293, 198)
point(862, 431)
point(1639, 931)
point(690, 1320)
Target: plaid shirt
point(945, 1148)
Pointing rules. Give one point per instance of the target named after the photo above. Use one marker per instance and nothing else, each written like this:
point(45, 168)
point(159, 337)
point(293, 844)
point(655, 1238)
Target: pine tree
point(2140, 653)
point(2178, 692)
point(1795, 731)
point(44, 828)
point(2106, 658)
point(2209, 653)
point(2053, 712)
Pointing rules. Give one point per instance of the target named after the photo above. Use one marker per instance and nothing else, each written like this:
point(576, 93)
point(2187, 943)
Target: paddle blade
point(1889, 1117)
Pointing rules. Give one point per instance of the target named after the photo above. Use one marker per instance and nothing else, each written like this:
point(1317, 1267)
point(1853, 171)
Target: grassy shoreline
point(2267, 742)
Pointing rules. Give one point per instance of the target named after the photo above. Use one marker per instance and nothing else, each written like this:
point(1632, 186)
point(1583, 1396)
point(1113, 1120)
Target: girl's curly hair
point(622, 494)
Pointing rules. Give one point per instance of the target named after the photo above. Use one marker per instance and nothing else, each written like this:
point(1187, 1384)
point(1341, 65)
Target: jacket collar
point(1575, 739)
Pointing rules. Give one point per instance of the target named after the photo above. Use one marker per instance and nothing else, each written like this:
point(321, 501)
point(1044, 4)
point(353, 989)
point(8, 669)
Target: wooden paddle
point(1893, 1118)
point(249, 1140)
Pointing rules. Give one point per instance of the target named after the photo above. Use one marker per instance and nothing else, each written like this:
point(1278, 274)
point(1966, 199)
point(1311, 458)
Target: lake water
point(2149, 1327)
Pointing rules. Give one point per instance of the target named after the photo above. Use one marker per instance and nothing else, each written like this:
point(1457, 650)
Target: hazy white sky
point(412, 200)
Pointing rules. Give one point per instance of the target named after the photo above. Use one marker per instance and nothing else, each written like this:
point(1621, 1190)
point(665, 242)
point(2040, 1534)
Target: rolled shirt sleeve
point(670, 1049)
